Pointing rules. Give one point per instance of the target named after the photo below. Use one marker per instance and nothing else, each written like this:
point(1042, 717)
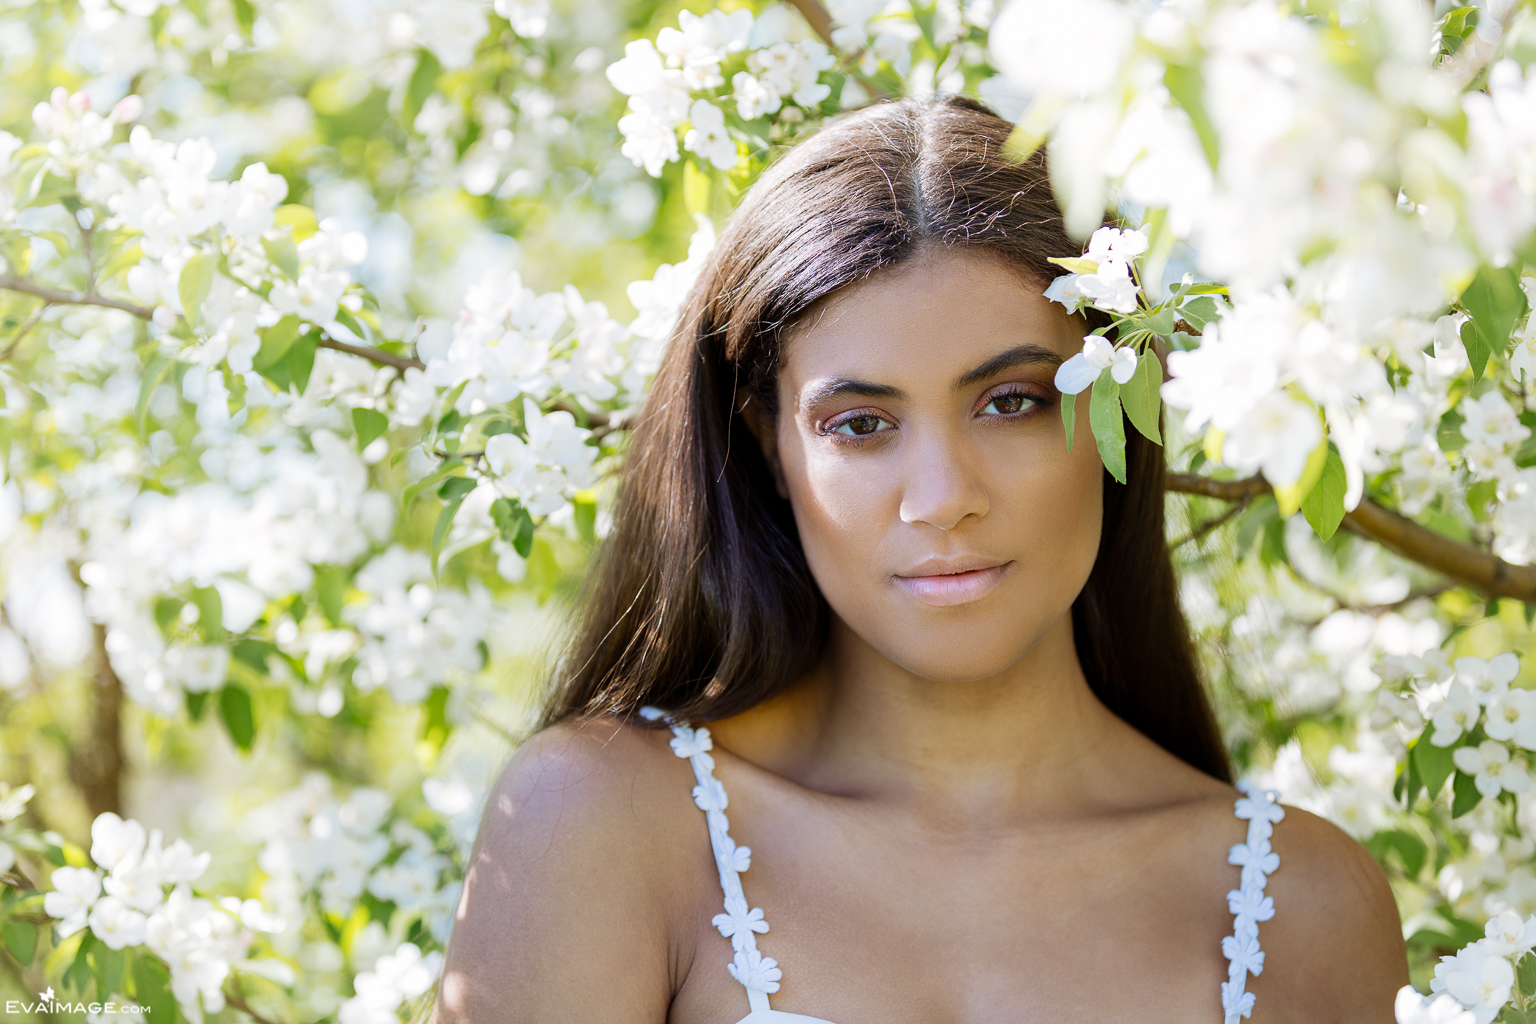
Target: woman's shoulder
point(1335, 943)
point(583, 790)
point(589, 849)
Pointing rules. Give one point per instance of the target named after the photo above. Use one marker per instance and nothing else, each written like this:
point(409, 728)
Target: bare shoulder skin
point(582, 862)
point(1334, 950)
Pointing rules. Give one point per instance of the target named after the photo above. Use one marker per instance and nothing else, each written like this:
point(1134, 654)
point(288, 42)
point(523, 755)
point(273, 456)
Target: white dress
point(760, 975)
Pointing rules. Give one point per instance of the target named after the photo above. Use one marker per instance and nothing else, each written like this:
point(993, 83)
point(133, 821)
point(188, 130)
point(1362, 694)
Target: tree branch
point(1452, 558)
point(373, 355)
point(55, 297)
point(817, 16)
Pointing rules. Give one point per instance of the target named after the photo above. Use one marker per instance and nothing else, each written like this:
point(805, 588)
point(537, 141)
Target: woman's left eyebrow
point(1021, 355)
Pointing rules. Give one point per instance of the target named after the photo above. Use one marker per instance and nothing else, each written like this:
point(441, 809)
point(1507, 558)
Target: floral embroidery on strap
point(758, 974)
point(1261, 809)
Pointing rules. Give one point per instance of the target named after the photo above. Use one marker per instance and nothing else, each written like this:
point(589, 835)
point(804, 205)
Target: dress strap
point(758, 974)
point(1261, 809)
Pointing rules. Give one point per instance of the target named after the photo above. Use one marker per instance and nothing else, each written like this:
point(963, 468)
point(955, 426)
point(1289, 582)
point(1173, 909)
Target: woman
point(947, 685)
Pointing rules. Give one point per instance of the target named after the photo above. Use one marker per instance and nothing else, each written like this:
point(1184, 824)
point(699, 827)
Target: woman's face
point(920, 443)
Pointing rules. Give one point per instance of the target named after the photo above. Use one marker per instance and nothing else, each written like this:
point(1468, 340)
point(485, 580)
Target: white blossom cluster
point(333, 851)
point(199, 939)
point(661, 79)
point(1482, 975)
point(1330, 271)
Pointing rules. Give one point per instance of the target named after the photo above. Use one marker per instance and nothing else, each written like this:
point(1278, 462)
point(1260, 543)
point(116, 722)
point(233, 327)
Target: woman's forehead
point(936, 317)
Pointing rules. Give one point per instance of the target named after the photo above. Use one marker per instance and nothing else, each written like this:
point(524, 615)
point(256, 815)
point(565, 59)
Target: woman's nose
point(941, 486)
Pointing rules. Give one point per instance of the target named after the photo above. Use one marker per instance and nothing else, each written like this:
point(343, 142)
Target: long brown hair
point(701, 601)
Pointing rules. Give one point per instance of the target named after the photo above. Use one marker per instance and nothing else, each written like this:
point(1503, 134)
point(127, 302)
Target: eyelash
point(1038, 404)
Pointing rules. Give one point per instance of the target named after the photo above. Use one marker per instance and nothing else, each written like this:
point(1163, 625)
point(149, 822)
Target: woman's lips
point(944, 589)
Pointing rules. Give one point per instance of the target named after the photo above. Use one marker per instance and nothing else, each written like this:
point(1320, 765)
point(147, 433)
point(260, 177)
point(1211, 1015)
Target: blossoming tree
point(321, 325)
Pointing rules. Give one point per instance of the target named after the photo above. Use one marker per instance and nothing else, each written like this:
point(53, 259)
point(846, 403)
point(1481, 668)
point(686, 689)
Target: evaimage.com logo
point(47, 1002)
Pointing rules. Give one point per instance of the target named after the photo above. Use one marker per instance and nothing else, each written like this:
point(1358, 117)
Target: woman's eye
point(860, 426)
point(1008, 403)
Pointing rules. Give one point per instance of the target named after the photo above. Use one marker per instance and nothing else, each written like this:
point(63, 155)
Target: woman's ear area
point(763, 426)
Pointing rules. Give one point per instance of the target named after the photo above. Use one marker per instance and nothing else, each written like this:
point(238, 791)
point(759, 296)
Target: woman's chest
point(1123, 920)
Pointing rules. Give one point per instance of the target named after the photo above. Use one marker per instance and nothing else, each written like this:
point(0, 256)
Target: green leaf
point(1408, 846)
point(456, 487)
point(1068, 417)
point(1478, 349)
point(1434, 763)
point(586, 518)
point(196, 280)
point(423, 81)
point(78, 975)
point(330, 591)
point(453, 492)
point(435, 726)
point(1141, 398)
point(197, 703)
point(1496, 302)
point(1479, 496)
point(1465, 793)
point(1324, 504)
point(238, 714)
point(21, 940)
point(1076, 264)
point(108, 965)
point(301, 360)
point(154, 375)
point(1292, 495)
point(152, 990)
point(1186, 84)
point(283, 254)
point(1161, 322)
point(514, 524)
point(275, 343)
point(166, 611)
point(1199, 311)
point(245, 16)
point(1448, 433)
point(1526, 974)
point(253, 654)
point(210, 612)
point(1108, 425)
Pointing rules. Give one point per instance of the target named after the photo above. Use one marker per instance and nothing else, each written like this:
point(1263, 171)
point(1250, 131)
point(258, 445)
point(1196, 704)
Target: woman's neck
point(1030, 743)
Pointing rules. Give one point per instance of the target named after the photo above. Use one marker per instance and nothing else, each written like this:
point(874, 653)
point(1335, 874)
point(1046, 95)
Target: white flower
point(649, 83)
point(1478, 979)
point(1494, 772)
point(1507, 933)
point(1244, 953)
point(1277, 435)
point(738, 923)
point(753, 98)
point(1456, 714)
point(755, 972)
point(1111, 287)
point(113, 840)
point(116, 923)
point(1487, 679)
point(136, 882)
point(1413, 1008)
point(649, 141)
point(707, 135)
point(1491, 420)
point(692, 743)
point(74, 891)
point(1512, 716)
point(1064, 290)
point(1098, 355)
point(700, 43)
